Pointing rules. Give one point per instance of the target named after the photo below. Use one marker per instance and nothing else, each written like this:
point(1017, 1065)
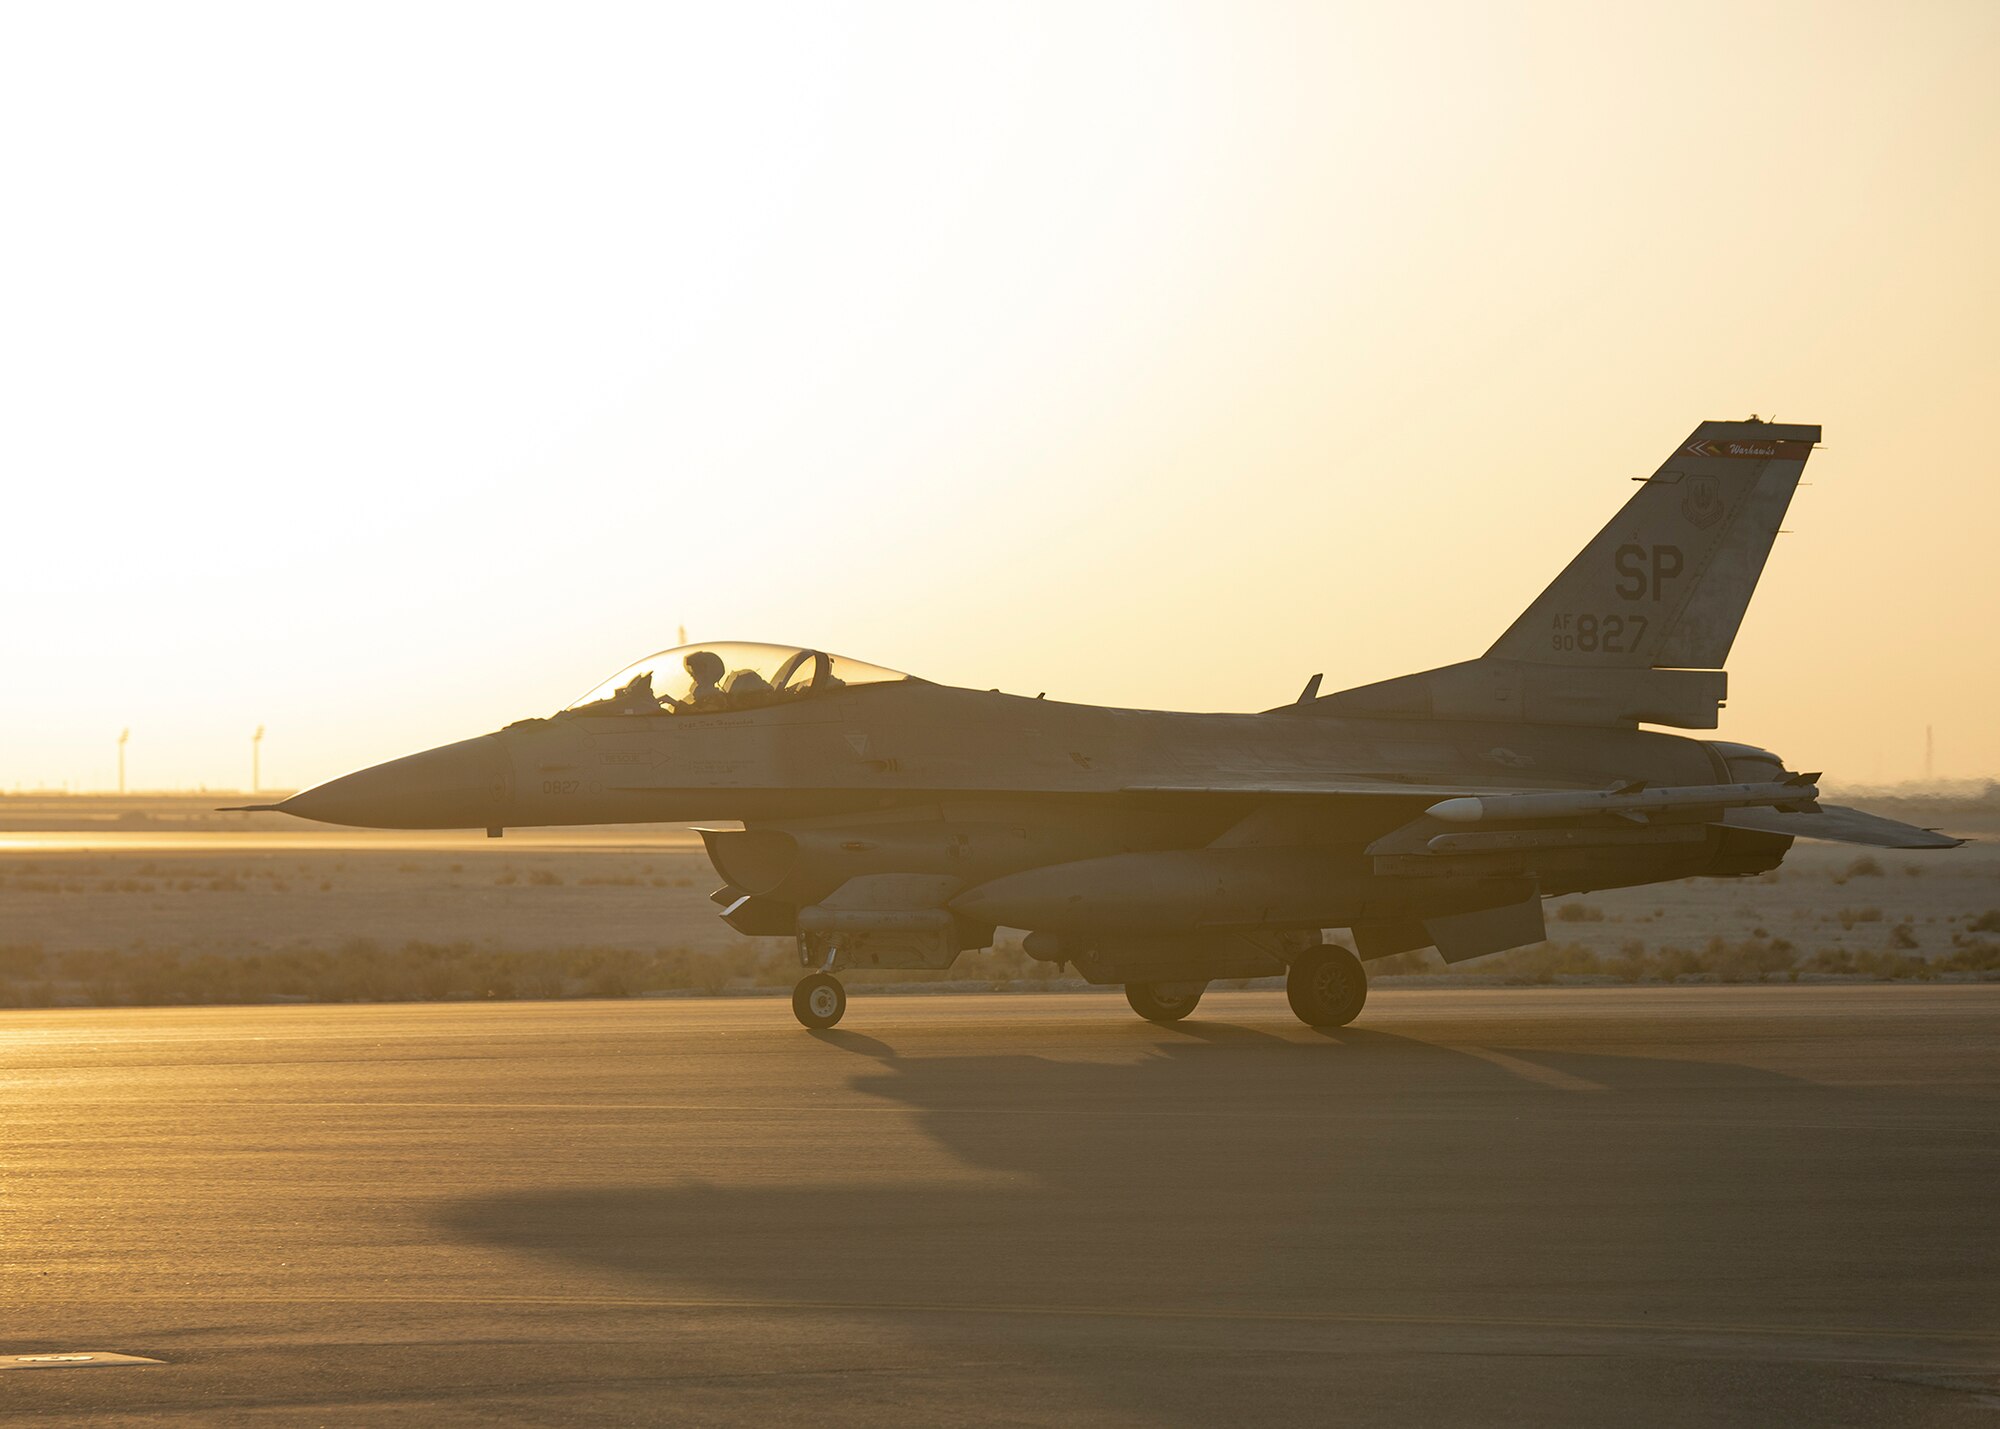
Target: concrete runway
point(1648, 1206)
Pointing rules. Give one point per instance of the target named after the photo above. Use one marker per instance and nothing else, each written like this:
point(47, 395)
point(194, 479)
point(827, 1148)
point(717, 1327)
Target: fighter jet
point(889, 822)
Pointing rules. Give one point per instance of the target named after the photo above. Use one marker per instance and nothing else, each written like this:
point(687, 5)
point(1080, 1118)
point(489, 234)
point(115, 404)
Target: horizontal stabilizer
point(1834, 824)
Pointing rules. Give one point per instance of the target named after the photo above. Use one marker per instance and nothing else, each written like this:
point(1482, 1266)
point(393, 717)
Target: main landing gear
point(1326, 986)
point(1164, 1001)
point(819, 1000)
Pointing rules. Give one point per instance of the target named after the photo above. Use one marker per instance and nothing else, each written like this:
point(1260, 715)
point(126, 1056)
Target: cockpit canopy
point(727, 675)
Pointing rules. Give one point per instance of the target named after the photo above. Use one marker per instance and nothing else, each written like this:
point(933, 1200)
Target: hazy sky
point(384, 373)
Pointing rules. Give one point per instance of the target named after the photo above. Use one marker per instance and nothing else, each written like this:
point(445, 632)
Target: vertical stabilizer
point(1666, 583)
point(1637, 628)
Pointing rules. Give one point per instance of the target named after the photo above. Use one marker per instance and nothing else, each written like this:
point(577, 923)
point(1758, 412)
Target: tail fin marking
point(1666, 582)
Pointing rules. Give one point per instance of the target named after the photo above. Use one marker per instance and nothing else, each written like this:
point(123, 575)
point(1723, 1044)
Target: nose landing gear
point(819, 1000)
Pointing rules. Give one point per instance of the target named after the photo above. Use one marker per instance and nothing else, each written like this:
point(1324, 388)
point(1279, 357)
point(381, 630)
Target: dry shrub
point(544, 877)
point(1883, 966)
point(776, 967)
point(1864, 867)
point(362, 969)
point(1419, 962)
point(26, 994)
point(1901, 937)
point(1987, 922)
point(615, 972)
point(434, 968)
point(1754, 960)
point(1579, 913)
point(1980, 957)
point(1630, 964)
point(21, 960)
point(711, 972)
point(1850, 916)
point(1541, 963)
point(536, 976)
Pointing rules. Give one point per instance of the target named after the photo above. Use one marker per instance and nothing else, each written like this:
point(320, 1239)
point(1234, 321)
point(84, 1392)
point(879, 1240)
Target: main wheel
point(818, 1000)
point(1164, 1001)
point(1326, 986)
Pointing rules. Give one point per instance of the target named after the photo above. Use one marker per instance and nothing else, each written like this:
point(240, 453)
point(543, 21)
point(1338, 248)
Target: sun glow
point(385, 376)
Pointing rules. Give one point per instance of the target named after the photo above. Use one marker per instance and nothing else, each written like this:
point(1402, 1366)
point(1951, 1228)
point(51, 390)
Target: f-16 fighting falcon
point(889, 822)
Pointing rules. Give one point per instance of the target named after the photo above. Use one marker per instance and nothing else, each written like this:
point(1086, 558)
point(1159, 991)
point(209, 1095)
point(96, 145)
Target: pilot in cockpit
point(704, 667)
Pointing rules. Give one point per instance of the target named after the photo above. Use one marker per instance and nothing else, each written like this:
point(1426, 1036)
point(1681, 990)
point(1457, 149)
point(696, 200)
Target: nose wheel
point(819, 1000)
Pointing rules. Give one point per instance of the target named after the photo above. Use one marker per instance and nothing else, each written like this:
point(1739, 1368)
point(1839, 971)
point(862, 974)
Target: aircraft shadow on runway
point(1362, 1174)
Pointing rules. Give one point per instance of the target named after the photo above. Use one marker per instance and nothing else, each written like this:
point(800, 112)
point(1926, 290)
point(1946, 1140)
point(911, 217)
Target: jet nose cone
point(455, 786)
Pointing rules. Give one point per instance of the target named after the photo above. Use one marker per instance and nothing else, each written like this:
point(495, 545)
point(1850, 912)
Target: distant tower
point(1930, 753)
point(257, 760)
point(684, 636)
point(123, 735)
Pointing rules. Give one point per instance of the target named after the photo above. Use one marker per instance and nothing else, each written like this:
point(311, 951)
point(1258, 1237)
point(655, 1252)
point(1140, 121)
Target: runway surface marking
point(1076, 1312)
point(1534, 1071)
point(1231, 1117)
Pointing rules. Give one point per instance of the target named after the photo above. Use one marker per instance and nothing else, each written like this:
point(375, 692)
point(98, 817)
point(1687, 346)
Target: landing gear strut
point(1164, 1001)
point(819, 1000)
point(1326, 986)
